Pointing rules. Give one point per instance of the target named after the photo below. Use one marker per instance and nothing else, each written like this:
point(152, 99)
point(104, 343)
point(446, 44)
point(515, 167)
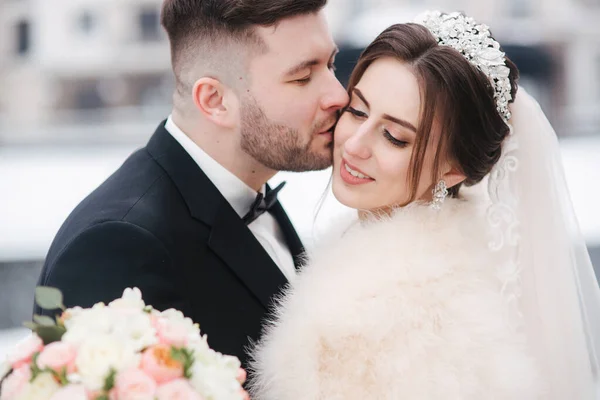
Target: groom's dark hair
point(199, 29)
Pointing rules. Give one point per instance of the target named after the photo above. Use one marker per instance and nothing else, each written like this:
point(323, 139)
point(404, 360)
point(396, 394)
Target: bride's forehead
point(391, 87)
point(392, 77)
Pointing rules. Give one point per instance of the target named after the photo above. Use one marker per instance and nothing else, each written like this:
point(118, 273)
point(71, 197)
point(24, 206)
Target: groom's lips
point(328, 131)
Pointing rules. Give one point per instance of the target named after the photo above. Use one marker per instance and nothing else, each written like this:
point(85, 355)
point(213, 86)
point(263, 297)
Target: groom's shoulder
point(138, 192)
point(138, 178)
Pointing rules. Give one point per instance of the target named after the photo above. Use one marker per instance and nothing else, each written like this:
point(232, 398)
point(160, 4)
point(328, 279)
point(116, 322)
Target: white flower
point(215, 375)
point(74, 378)
point(97, 320)
point(71, 392)
point(174, 328)
point(136, 329)
point(216, 381)
point(42, 388)
point(98, 354)
point(200, 347)
point(132, 298)
point(129, 324)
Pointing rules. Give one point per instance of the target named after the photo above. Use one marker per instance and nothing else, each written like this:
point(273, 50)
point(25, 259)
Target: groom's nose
point(335, 96)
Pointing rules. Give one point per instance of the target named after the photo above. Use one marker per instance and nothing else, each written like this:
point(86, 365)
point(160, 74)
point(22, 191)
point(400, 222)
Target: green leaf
point(185, 357)
point(102, 397)
point(43, 320)
point(109, 383)
point(30, 325)
point(49, 298)
point(188, 361)
point(50, 334)
point(61, 376)
point(177, 354)
point(35, 370)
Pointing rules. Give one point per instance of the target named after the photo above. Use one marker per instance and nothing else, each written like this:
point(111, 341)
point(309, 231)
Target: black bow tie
point(259, 206)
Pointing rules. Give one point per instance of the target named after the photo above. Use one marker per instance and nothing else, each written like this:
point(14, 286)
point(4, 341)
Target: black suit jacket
point(159, 224)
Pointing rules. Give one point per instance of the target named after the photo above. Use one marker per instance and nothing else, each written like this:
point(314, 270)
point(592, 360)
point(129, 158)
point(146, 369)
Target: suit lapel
point(235, 244)
point(230, 239)
point(291, 236)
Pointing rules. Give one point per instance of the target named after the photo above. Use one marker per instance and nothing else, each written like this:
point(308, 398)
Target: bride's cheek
point(344, 130)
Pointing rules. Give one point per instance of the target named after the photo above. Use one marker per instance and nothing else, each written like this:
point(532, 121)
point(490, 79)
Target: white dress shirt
point(265, 228)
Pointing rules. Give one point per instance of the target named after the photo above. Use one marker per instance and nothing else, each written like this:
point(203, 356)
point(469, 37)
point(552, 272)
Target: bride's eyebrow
point(398, 121)
point(361, 96)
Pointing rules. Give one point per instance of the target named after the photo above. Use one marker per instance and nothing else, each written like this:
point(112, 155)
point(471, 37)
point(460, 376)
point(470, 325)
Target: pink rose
point(58, 355)
point(169, 332)
point(135, 384)
point(71, 392)
point(241, 376)
point(15, 383)
point(179, 389)
point(158, 363)
point(25, 350)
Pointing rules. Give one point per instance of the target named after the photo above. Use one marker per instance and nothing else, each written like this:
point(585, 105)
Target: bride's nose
point(358, 145)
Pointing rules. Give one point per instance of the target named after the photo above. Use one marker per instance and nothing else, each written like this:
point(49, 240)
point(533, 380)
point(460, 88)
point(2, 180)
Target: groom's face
point(293, 97)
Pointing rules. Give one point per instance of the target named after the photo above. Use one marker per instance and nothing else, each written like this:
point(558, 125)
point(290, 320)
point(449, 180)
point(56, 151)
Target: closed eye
point(356, 113)
point(303, 81)
point(393, 140)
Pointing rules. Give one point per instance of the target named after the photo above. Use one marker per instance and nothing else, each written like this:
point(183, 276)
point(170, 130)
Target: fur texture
point(405, 308)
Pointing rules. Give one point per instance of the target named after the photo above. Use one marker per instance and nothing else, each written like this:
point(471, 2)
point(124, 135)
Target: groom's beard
point(280, 147)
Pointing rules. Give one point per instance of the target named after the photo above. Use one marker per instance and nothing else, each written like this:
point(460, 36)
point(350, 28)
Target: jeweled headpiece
point(476, 44)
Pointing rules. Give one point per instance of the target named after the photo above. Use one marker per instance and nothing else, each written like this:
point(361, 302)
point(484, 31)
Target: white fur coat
point(406, 308)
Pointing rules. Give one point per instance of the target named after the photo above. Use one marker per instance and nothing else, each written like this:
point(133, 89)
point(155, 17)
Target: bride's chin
point(342, 195)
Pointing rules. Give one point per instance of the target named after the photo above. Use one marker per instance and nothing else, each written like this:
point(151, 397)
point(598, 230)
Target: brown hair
point(205, 26)
point(457, 100)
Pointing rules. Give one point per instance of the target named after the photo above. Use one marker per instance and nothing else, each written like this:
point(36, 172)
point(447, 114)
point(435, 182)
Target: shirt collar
point(239, 195)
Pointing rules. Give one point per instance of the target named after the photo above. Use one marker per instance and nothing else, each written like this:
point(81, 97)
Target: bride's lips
point(351, 179)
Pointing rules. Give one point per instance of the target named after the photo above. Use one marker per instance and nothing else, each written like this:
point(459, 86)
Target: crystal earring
point(439, 195)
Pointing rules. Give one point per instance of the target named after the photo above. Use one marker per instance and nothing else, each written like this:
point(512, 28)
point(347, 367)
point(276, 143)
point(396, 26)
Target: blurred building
point(555, 43)
point(87, 70)
point(84, 71)
point(66, 63)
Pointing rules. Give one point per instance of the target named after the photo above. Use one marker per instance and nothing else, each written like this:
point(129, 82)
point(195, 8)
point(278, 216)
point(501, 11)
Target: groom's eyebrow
point(309, 63)
point(398, 121)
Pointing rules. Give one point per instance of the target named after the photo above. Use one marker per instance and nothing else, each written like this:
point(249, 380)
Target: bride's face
point(374, 139)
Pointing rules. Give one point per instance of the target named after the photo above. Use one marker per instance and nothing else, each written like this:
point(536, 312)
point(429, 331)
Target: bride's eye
point(393, 140)
point(356, 113)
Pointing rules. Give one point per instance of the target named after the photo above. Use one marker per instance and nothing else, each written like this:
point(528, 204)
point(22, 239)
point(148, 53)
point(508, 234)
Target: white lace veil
point(549, 279)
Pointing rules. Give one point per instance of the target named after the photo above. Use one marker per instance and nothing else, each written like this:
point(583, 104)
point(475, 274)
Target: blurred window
point(149, 25)
point(520, 8)
point(23, 37)
point(598, 77)
point(591, 3)
point(87, 97)
point(87, 22)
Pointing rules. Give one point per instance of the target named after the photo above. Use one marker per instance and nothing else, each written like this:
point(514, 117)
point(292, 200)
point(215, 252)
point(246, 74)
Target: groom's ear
point(453, 177)
point(216, 102)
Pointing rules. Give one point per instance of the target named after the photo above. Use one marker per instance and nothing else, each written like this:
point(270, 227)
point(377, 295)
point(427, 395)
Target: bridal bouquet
point(120, 351)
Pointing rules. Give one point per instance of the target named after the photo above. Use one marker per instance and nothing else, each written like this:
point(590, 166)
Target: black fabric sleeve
point(99, 263)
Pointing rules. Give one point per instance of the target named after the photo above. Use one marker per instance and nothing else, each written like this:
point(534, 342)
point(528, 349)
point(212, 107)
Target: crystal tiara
point(474, 41)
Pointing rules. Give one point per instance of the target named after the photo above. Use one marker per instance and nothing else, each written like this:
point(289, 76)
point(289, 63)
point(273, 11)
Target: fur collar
point(405, 307)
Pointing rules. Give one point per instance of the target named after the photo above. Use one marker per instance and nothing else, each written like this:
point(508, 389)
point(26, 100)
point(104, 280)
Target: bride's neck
point(369, 215)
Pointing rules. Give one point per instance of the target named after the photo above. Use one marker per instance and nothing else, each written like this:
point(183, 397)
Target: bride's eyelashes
point(356, 113)
point(393, 140)
point(362, 115)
